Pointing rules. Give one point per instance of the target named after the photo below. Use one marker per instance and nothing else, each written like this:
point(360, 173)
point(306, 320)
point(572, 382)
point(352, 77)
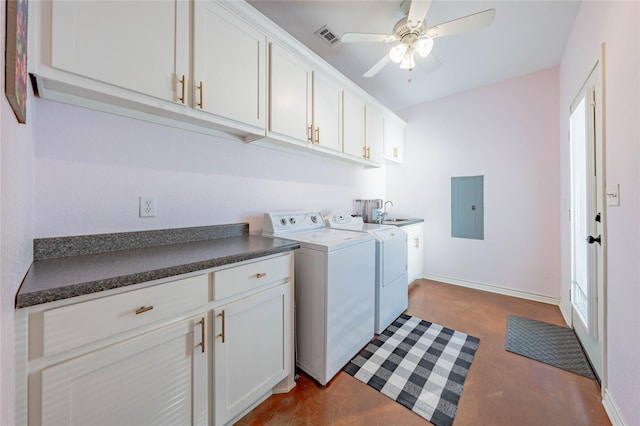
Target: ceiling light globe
point(397, 52)
point(424, 46)
point(408, 62)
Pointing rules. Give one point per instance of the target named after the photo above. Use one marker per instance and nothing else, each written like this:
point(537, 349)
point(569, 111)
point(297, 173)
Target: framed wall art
point(16, 58)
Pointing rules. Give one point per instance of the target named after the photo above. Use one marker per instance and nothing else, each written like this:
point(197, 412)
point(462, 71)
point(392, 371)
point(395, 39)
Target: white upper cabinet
point(362, 129)
point(373, 133)
point(290, 96)
point(140, 45)
point(393, 139)
point(213, 66)
point(305, 106)
point(229, 74)
point(353, 126)
point(326, 113)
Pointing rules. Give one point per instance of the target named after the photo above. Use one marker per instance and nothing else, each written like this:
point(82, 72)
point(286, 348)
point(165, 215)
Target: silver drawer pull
point(260, 274)
point(143, 309)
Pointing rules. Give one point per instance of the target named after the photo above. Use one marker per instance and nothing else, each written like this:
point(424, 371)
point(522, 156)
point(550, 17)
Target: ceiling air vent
point(327, 35)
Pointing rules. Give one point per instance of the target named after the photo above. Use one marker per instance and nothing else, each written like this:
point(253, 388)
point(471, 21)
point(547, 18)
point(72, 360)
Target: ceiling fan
point(413, 35)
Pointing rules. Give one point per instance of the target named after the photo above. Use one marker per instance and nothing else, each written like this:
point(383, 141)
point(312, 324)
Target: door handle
point(592, 240)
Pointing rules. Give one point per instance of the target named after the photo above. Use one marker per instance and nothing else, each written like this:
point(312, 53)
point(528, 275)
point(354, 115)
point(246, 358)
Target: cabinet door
point(415, 251)
point(326, 113)
point(290, 95)
point(229, 65)
point(393, 140)
point(373, 133)
point(137, 45)
point(156, 378)
point(353, 126)
point(252, 350)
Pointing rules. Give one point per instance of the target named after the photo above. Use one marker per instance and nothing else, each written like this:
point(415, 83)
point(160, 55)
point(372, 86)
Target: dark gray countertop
point(57, 278)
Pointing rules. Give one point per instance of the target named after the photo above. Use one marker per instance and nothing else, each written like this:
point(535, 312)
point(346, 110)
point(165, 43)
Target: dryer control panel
point(285, 222)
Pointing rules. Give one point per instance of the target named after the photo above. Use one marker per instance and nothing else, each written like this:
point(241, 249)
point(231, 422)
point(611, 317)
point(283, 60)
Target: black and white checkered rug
point(419, 364)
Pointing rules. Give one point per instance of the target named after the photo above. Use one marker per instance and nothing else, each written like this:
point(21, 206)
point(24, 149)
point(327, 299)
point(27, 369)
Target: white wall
point(507, 132)
point(91, 168)
point(16, 228)
point(616, 23)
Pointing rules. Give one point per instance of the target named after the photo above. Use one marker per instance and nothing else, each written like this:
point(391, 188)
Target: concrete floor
point(502, 388)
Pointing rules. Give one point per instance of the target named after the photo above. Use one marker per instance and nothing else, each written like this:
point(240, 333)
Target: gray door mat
point(548, 343)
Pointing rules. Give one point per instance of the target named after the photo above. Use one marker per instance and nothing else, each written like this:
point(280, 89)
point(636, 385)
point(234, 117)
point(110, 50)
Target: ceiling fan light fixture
point(423, 46)
point(398, 52)
point(408, 62)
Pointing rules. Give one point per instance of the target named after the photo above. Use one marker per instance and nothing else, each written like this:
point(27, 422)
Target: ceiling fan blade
point(460, 25)
point(367, 38)
point(418, 12)
point(377, 67)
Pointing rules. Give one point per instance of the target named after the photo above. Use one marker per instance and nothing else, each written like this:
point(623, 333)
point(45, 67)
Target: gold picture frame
point(16, 58)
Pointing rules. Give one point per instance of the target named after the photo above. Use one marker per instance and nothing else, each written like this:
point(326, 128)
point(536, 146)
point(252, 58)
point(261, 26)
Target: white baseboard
point(495, 289)
point(612, 409)
point(565, 310)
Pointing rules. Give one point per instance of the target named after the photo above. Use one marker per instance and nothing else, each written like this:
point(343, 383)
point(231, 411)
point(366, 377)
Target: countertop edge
point(65, 292)
point(404, 222)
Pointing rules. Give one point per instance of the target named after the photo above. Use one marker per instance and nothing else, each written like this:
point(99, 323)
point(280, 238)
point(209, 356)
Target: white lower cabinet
point(415, 251)
point(251, 350)
point(154, 355)
point(156, 378)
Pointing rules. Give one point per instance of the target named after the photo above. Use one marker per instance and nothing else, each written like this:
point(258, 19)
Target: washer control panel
point(285, 222)
point(340, 218)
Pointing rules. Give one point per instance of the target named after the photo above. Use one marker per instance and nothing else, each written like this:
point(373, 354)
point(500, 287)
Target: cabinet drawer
point(72, 326)
point(232, 281)
point(414, 230)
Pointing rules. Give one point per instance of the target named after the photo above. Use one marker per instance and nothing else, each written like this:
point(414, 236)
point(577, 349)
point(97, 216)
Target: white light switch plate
point(613, 195)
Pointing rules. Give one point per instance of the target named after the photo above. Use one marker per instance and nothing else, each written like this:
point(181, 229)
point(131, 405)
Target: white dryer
point(334, 290)
point(392, 296)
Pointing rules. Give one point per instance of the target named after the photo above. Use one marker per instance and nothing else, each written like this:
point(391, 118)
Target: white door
point(353, 126)
point(251, 349)
point(229, 65)
point(109, 42)
point(157, 378)
point(587, 217)
point(326, 113)
point(290, 95)
point(373, 133)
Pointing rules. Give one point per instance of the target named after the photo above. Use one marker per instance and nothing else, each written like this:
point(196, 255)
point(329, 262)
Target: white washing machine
point(334, 290)
point(392, 296)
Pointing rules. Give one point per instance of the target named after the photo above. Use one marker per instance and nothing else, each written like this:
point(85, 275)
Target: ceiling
point(525, 37)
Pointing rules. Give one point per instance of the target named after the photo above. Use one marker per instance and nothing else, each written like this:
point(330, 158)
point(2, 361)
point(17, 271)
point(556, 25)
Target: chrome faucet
point(384, 212)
